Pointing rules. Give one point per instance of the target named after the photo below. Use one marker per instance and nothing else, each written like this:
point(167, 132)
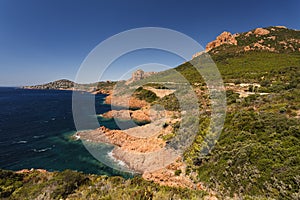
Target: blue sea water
point(35, 130)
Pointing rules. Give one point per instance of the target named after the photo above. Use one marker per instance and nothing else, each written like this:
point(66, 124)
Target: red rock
point(224, 38)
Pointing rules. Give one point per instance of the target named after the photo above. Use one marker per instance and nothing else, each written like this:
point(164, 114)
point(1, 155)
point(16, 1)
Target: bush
point(146, 95)
point(9, 182)
point(66, 182)
point(178, 172)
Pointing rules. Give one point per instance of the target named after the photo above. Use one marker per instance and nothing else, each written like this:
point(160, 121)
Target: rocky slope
point(142, 148)
point(277, 39)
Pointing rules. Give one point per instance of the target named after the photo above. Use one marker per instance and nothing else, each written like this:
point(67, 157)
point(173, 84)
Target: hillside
point(258, 151)
point(62, 84)
point(277, 39)
point(257, 155)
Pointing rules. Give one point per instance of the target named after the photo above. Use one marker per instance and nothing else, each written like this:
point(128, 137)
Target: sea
point(36, 128)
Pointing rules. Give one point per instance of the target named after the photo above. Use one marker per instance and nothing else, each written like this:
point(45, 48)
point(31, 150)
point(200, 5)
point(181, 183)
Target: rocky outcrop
point(261, 31)
point(259, 46)
point(140, 154)
point(122, 140)
point(136, 115)
point(168, 177)
point(224, 38)
point(198, 54)
point(125, 101)
point(139, 75)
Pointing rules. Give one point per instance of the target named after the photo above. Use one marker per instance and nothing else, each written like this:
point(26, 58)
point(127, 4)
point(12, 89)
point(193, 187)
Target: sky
point(46, 40)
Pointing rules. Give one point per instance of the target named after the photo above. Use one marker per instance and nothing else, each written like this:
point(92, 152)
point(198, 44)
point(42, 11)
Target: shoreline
point(142, 148)
point(68, 89)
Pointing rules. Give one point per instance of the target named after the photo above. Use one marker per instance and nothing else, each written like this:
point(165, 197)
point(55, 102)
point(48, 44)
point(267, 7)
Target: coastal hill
point(256, 157)
point(277, 39)
point(64, 84)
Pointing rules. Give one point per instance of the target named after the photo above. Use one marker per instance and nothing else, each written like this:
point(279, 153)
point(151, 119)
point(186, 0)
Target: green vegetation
point(178, 172)
point(75, 185)
point(258, 152)
point(146, 95)
point(169, 102)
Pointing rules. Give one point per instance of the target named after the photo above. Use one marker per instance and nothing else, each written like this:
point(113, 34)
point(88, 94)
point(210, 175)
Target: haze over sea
point(36, 128)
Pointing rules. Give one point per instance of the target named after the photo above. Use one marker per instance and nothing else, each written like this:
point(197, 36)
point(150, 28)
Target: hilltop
point(277, 39)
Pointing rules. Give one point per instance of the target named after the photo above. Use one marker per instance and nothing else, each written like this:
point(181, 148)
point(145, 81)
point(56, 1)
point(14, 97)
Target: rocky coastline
point(142, 148)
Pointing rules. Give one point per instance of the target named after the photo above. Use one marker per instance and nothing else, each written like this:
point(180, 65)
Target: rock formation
point(224, 38)
point(139, 75)
point(125, 101)
point(261, 31)
point(137, 115)
point(198, 54)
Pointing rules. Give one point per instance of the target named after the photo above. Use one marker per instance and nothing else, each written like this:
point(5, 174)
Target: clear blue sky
point(45, 40)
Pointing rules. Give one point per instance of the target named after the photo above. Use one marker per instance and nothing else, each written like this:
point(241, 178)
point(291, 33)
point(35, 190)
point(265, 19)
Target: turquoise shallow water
point(35, 130)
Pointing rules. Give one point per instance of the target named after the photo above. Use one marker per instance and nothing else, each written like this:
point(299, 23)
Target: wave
point(20, 142)
point(119, 162)
point(42, 150)
point(38, 136)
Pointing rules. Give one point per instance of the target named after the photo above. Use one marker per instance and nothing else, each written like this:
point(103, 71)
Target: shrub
point(178, 172)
